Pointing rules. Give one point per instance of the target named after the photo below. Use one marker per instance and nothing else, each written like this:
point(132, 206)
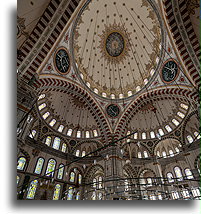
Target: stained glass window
point(78, 196)
point(72, 177)
point(189, 138)
point(52, 122)
point(42, 106)
point(135, 135)
point(175, 195)
point(180, 114)
point(21, 163)
point(69, 133)
point(18, 178)
point(57, 192)
point(100, 196)
point(60, 171)
point(94, 183)
point(149, 181)
point(46, 115)
point(61, 127)
point(178, 173)
point(63, 147)
point(196, 192)
point(77, 153)
point(50, 168)
point(56, 143)
point(70, 193)
point(48, 140)
point(185, 193)
point(170, 177)
point(188, 173)
point(79, 178)
point(78, 134)
point(164, 154)
point(41, 96)
point(32, 189)
point(32, 134)
point(158, 153)
point(39, 166)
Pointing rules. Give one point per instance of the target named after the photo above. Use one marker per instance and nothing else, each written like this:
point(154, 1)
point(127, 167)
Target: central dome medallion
point(116, 46)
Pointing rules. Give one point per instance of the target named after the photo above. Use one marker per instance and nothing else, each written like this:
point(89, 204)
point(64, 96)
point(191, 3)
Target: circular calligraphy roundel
point(62, 61)
point(169, 71)
point(112, 110)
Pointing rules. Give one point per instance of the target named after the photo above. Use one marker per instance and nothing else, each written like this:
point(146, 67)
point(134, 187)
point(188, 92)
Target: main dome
point(117, 46)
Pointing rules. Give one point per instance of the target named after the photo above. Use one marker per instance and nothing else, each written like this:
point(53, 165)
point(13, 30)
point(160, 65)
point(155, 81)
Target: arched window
point(158, 153)
point(50, 168)
point(180, 114)
point(94, 183)
point(57, 192)
point(70, 193)
point(175, 195)
point(87, 134)
point(178, 173)
point(18, 178)
point(52, 122)
point(168, 128)
point(139, 154)
point(32, 134)
point(61, 127)
point(177, 150)
point(60, 171)
point(197, 135)
point(69, 133)
point(93, 197)
point(164, 154)
point(112, 96)
point(188, 173)
point(83, 153)
point(48, 140)
point(100, 182)
point(135, 135)
point(29, 118)
point(56, 143)
point(121, 96)
point(32, 189)
point(130, 93)
point(145, 154)
point(63, 147)
point(78, 134)
point(39, 165)
point(171, 153)
point(21, 163)
point(176, 122)
point(96, 90)
point(46, 115)
point(72, 177)
point(160, 131)
point(42, 106)
point(41, 96)
point(78, 196)
point(144, 136)
point(189, 138)
point(95, 133)
point(170, 177)
point(79, 179)
point(100, 196)
point(149, 181)
point(152, 134)
point(184, 106)
point(77, 153)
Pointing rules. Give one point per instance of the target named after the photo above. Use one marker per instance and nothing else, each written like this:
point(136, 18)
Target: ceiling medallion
point(114, 44)
point(112, 110)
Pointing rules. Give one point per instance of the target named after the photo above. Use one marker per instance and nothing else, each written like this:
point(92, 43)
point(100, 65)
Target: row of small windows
point(190, 139)
point(51, 166)
point(169, 154)
point(56, 143)
point(160, 131)
point(179, 175)
point(79, 134)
